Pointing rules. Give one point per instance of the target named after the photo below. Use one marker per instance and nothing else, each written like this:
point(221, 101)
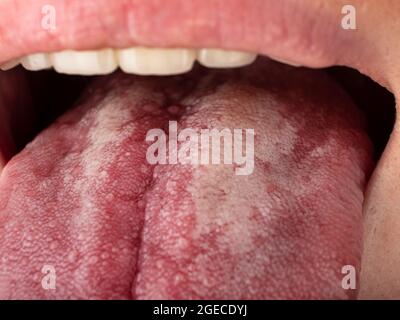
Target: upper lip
point(290, 30)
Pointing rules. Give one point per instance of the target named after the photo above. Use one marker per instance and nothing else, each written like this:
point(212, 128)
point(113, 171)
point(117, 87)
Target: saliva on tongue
point(83, 199)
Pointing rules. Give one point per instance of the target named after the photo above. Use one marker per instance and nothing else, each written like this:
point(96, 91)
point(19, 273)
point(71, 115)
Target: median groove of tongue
point(173, 112)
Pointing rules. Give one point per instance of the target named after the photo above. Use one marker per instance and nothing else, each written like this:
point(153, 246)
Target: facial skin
point(380, 277)
point(373, 49)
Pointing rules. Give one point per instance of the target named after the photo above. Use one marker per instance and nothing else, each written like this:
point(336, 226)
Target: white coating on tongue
point(280, 232)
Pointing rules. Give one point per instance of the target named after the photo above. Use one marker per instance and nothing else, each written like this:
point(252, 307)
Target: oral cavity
point(83, 199)
point(136, 60)
point(16, 113)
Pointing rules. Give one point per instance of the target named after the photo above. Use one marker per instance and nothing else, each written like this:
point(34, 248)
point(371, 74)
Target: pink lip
point(290, 30)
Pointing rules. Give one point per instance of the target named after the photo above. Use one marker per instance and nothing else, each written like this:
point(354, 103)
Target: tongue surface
point(82, 199)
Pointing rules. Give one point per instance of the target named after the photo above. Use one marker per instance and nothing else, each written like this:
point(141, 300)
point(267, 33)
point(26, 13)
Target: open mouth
point(78, 193)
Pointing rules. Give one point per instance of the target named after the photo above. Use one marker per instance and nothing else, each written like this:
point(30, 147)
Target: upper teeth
point(137, 60)
point(146, 61)
point(10, 64)
point(216, 58)
point(85, 62)
point(36, 61)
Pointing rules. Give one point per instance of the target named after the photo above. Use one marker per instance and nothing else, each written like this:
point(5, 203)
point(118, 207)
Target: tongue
point(83, 204)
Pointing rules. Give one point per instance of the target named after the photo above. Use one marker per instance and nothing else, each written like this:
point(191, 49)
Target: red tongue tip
point(83, 199)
